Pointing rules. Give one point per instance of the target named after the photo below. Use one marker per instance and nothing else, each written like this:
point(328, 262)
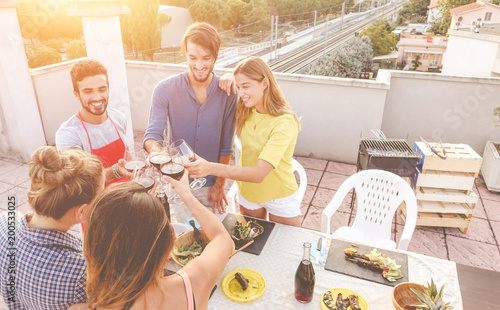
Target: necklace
point(255, 126)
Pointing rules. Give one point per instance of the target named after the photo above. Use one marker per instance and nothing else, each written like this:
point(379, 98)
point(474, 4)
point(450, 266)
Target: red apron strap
point(118, 133)
point(88, 137)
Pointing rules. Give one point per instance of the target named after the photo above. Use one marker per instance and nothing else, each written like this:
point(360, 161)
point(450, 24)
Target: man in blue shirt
point(193, 107)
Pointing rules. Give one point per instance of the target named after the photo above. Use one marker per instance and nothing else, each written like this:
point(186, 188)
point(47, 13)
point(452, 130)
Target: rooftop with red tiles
point(467, 7)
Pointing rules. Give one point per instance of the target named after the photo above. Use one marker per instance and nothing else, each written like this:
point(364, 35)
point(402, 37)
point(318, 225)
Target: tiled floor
point(480, 247)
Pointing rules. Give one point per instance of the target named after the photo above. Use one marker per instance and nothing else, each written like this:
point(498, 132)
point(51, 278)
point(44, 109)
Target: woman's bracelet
point(115, 172)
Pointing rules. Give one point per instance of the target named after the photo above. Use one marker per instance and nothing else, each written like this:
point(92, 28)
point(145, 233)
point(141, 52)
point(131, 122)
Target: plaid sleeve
point(80, 295)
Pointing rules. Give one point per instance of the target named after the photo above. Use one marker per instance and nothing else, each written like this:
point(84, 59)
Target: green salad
point(186, 253)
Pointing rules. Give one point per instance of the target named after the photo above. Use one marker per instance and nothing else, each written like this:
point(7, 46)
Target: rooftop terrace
point(480, 247)
point(335, 113)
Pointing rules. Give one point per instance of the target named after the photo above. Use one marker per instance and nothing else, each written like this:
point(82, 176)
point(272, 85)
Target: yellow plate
point(233, 290)
point(345, 293)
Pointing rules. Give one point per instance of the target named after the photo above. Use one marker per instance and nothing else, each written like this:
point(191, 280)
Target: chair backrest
point(237, 150)
point(379, 194)
point(297, 167)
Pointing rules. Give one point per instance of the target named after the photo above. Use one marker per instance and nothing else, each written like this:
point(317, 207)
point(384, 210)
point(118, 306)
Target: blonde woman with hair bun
point(46, 269)
point(268, 128)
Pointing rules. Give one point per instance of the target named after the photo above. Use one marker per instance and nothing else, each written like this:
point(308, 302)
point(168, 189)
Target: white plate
point(180, 228)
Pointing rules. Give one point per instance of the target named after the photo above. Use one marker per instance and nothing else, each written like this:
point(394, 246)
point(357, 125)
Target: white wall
point(455, 109)
point(335, 112)
point(54, 92)
point(470, 54)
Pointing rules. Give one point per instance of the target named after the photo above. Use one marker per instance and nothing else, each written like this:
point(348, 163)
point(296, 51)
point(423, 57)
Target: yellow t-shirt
point(273, 139)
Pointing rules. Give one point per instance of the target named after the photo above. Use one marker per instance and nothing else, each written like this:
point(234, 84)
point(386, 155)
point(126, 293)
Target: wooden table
point(479, 287)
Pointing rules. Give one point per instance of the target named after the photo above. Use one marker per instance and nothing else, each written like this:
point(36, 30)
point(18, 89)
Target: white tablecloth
point(282, 254)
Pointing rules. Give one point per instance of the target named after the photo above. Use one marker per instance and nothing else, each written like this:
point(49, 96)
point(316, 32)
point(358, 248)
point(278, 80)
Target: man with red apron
point(109, 154)
point(95, 129)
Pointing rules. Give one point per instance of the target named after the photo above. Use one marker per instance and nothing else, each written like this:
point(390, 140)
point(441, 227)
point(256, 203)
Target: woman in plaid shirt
point(43, 265)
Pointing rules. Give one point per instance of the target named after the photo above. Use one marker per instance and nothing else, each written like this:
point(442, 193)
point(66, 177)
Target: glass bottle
point(304, 277)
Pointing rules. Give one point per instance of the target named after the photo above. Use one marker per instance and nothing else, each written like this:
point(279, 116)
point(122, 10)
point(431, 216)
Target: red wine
point(146, 182)
point(304, 282)
point(158, 159)
point(132, 165)
point(173, 170)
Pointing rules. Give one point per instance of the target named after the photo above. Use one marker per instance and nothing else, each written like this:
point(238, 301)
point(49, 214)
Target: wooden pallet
point(445, 180)
point(461, 158)
point(445, 195)
point(459, 221)
point(445, 208)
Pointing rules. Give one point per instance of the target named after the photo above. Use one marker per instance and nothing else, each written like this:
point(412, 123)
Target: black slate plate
point(336, 262)
point(259, 242)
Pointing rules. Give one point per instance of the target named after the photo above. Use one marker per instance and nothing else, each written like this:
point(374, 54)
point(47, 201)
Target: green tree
point(56, 44)
point(416, 62)
point(45, 20)
point(237, 11)
point(43, 56)
point(76, 49)
point(213, 12)
point(381, 36)
point(141, 28)
point(413, 11)
point(352, 58)
point(258, 17)
point(444, 6)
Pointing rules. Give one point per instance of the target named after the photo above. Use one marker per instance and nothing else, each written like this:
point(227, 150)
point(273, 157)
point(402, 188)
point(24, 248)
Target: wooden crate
point(461, 158)
point(445, 195)
point(445, 208)
point(443, 187)
point(459, 221)
point(444, 180)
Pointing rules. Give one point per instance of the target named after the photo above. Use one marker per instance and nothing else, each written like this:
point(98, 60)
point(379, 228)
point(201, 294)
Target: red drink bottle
point(304, 277)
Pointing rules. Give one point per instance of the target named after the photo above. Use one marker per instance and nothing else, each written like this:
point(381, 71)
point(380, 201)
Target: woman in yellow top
point(268, 128)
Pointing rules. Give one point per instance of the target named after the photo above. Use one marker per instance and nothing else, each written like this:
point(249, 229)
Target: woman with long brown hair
point(268, 129)
point(43, 265)
point(128, 240)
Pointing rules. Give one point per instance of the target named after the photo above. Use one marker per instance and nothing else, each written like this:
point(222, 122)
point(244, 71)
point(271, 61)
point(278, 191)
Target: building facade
point(474, 15)
point(429, 49)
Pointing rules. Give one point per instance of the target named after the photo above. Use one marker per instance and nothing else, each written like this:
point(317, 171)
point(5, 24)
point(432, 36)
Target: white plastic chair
point(232, 194)
point(378, 194)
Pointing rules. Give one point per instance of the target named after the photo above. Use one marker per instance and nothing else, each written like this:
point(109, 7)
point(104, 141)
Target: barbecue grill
point(394, 155)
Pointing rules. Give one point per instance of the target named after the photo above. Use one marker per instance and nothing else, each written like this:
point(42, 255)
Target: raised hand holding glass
point(188, 155)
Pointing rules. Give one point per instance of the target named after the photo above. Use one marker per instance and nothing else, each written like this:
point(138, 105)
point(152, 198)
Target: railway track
point(298, 61)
